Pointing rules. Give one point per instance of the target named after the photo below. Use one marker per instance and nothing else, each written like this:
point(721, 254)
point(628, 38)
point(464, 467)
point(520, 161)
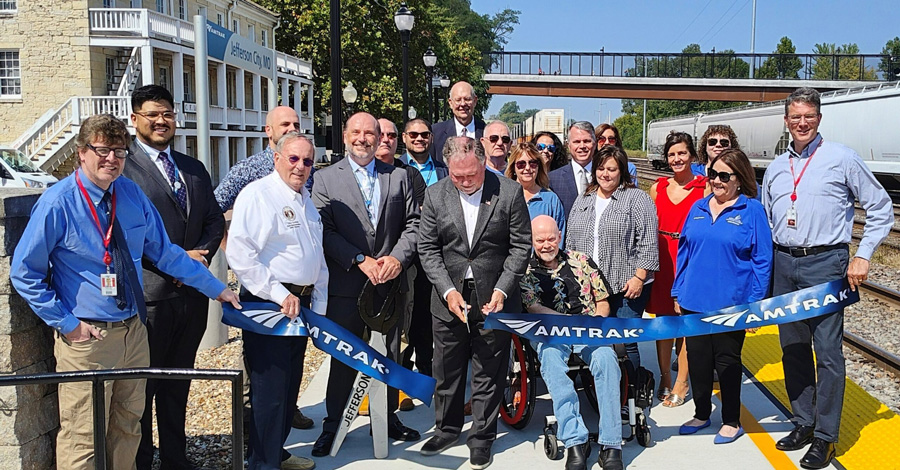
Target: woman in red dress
point(673, 197)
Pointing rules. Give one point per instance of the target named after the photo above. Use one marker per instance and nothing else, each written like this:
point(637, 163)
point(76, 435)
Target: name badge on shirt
point(290, 218)
point(792, 218)
point(108, 286)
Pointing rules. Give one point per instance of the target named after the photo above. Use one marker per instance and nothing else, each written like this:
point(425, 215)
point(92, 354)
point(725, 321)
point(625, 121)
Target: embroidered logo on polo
point(735, 220)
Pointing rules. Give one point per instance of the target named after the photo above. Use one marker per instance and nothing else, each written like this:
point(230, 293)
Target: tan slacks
point(124, 345)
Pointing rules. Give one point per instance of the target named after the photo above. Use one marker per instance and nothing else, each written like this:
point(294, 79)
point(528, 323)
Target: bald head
point(361, 137)
point(387, 145)
point(545, 238)
point(280, 121)
point(462, 102)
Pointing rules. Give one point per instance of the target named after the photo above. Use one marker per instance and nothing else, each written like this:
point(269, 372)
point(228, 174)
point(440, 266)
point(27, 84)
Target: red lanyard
point(797, 180)
point(107, 259)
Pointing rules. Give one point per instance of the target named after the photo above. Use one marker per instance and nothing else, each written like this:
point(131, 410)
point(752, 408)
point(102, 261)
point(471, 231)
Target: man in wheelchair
point(568, 283)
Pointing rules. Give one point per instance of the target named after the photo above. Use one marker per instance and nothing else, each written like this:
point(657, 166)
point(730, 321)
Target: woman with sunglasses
point(526, 166)
point(717, 139)
point(551, 149)
point(727, 235)
point(615, 223)
point(608, 134)
point(674, 197)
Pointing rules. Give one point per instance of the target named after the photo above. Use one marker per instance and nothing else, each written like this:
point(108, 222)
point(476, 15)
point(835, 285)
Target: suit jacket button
point(371, 233)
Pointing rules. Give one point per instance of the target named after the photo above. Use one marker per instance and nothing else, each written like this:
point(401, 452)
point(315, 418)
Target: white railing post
point(76, 111)
point(145, 23)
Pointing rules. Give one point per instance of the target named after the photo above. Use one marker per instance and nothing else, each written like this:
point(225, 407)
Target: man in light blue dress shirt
point(808, 193)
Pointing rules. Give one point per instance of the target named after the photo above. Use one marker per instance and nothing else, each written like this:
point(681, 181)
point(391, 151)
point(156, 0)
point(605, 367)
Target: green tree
point(785, 65)
point(891, 67)
point(840, 63)
point(630, 128)
point(371, 49)
point(511, 115)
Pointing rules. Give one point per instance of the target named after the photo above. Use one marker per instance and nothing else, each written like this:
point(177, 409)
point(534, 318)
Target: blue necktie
point(129, 292)
point(174, 182)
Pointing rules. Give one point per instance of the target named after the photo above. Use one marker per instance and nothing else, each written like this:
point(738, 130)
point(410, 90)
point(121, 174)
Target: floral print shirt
point(573, 288)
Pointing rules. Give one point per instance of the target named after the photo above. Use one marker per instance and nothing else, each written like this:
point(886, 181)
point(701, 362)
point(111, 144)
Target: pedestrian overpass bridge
point(711, 76)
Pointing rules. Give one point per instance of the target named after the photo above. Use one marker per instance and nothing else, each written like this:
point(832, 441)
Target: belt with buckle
point(110, 324)
point(299, 291)
point(674, 235)
point(799, 252)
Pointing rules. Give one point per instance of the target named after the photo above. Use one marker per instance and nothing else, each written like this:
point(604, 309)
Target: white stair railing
point(131, 74)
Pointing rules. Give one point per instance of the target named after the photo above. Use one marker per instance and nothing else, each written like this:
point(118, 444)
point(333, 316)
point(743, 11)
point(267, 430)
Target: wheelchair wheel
point(519, 397)
point(642, 431)
point(551, 445)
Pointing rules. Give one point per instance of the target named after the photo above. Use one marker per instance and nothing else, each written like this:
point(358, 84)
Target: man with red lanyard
point(808, 193)
point(88, 234)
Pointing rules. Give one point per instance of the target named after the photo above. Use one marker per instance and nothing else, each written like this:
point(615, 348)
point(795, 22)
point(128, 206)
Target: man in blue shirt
point(808, 193)
point(93, 228)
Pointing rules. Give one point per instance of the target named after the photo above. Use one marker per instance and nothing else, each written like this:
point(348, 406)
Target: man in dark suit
point(474, 243)
point(462, 102)
point(369, 232)
point(180, 188)
point(571, 180)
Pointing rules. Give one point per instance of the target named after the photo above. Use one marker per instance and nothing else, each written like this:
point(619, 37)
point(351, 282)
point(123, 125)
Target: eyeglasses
point(723, 176)
point(495, 138)
point(521, 164)
point(103, 152)
point(154, 115)
point(795, 118)
point(467, 100)
point(724, 142)
point(415, 135)
point(550, 148)
point(604, 140)
point(390, 135)
point(307, 162)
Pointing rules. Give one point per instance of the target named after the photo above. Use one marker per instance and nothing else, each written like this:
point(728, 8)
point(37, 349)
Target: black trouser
point(421, 340)
point(275, 366)
point(174, 330)
point(344, 312)
point(721, 352)
point(489, 351)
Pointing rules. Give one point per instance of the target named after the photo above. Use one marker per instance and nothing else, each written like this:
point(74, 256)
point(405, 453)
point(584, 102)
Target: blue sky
point(669, 26)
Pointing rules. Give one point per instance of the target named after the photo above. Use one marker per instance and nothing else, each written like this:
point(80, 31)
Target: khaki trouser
point(124, 346)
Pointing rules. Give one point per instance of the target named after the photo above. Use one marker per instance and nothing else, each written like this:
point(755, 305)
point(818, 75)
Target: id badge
point(108, 285)
point(792, 218)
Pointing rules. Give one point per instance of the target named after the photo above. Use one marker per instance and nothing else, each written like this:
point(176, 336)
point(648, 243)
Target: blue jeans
point(604, 367)
point(620, 307)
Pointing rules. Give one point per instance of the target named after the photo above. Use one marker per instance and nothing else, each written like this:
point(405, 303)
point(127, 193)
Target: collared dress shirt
point(245, 172)
point(373, 204)
point(546, 202)
point(62, 234)
point(155, 157)
point(835, 178)
point(276, 237)
point(724, 262)
point(429, 174)
point(470, 128)
point(581, 172)
point(573, 288)
point(470, 204)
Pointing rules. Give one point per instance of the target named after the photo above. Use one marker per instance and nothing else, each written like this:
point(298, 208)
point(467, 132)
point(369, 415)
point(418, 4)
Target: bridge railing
point(848, 67)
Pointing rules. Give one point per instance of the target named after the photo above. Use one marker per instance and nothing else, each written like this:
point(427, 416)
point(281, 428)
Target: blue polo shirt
point(546, 202)
point(724, 262)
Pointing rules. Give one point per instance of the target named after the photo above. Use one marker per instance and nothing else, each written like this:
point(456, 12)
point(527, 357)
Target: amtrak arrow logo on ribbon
point(727, 319)
point(520, 326)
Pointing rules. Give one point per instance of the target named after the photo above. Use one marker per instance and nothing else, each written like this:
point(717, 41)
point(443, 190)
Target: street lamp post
point(404, 20)
point(350, 94)
point(336, 142)
point(436, 86)
point(430, 60)
point(445, 84)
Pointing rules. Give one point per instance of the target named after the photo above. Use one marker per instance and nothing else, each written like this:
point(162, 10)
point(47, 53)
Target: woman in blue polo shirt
point(726, 237)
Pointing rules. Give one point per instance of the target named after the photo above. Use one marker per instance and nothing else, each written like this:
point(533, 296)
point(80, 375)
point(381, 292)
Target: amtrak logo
point(524, 327)
point(267, 318)
point(726, 319)
point(520, 326)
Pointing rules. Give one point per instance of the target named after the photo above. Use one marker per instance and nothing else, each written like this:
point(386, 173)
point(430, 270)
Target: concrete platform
point(518, 450)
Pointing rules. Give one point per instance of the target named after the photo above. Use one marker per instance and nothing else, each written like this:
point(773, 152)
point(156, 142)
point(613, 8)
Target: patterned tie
point(177, 186)
point(118, 267)
point(584, 181)
point(464, 133)
point(367, 186)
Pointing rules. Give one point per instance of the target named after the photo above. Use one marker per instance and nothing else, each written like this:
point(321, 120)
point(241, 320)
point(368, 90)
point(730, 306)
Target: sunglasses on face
point(307, 162)
point(723, 176)
point(495, 138)
point(521, 164)
point(606, 140)
point(390, 135)
point(723, 142)
point(415, 135)
point(550, 148)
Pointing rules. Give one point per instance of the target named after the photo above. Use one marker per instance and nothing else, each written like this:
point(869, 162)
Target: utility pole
point(753, 41)
point(644, 130)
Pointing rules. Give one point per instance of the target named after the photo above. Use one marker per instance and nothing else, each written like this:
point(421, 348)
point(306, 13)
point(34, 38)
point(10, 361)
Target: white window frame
point(161, 6)
point(265, 37)
point(236, 25)
point(251, 32)
point(182, 9)
point(163, 79)
point(110, 68)
point(220, 19)
point(107, 4)
point(13, 74)
point(137, 4)
point(5, 10)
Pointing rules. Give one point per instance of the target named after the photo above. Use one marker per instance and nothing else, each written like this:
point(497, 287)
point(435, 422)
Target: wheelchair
point(520, 394)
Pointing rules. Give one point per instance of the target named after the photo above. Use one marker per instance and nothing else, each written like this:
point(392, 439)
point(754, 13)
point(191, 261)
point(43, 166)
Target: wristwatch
point(359, 258)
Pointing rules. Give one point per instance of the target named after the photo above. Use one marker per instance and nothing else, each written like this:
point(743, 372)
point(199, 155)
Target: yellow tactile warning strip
point(870, 431)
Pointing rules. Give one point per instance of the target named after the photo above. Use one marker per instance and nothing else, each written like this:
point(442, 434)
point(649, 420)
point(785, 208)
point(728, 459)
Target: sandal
point(663, 393)
point(673, 400)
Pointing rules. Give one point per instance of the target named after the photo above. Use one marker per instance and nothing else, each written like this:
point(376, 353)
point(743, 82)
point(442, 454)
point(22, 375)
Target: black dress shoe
point(299, 421)
point(322, 447)
point(797, 439)
point(438, 444)
point(577, 456)
point(611, 459)
point(479, 457)
point(819, 454)
point(398, 432)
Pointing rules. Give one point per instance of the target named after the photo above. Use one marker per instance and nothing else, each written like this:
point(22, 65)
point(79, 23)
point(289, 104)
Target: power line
point(689, 25)
point(717, 22)
point(729, 20)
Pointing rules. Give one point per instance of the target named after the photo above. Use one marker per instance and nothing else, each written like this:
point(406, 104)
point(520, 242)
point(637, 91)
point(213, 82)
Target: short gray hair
point(804, 95)
point(584, 126)
point(458, 147)
point(289, 137)
point(497, 123)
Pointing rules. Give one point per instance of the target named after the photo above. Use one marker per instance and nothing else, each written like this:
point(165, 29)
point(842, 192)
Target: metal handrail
point(98, 398)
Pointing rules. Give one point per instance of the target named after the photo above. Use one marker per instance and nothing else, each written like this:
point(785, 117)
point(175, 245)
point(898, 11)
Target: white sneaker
point(297, 463)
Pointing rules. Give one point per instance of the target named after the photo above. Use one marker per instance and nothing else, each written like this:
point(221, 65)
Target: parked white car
point(17, 171)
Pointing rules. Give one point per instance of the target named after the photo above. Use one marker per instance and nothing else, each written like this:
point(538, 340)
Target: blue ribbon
point(803, 304)
point(265, 318)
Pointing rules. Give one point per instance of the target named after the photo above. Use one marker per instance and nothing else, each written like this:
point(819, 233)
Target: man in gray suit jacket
point(474, 244)
point(370, 224)
point(180, 188)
